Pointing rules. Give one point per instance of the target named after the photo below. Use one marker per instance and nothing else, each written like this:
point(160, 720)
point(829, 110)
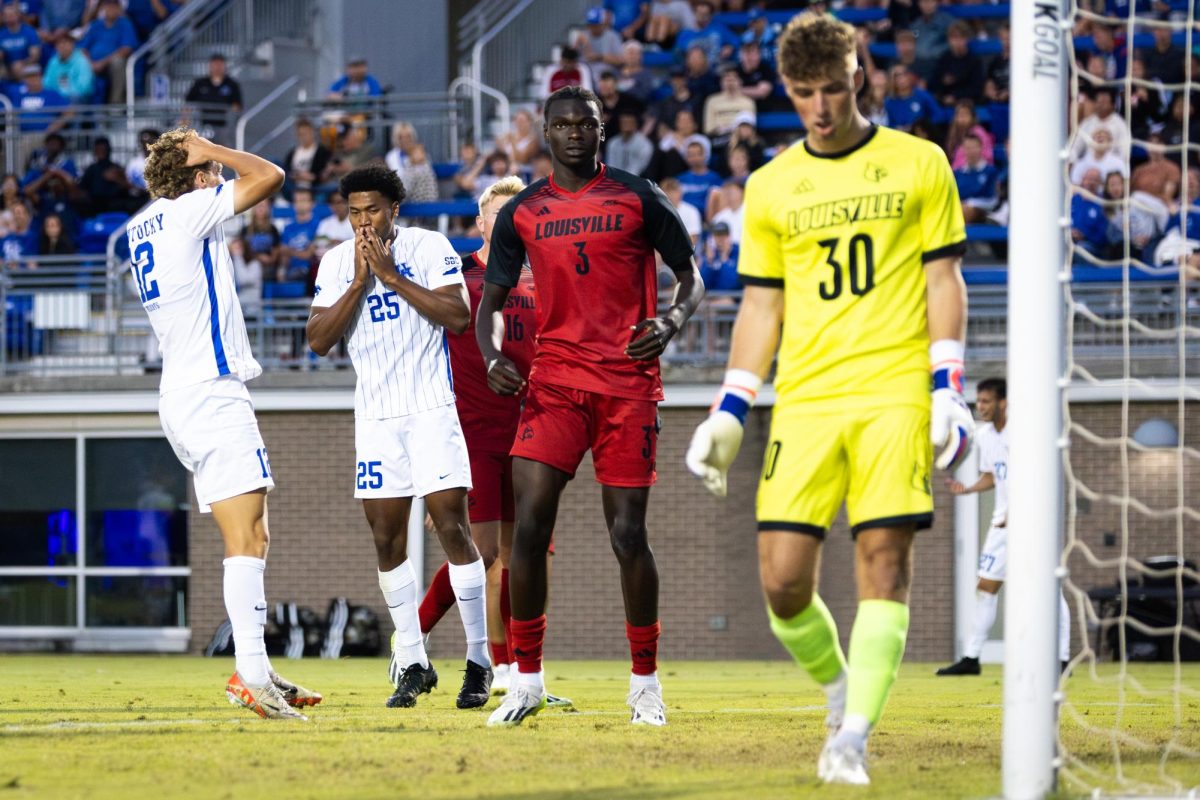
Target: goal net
point(1111, 490)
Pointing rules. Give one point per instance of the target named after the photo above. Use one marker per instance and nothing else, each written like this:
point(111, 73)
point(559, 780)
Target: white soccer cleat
point(500, 680)
point(266, 701)
point(554, 701)
point(648, 706)
point(521, 701)
point(843, 764)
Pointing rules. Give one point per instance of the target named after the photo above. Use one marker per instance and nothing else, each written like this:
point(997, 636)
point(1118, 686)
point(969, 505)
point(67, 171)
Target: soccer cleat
point(554, 701)
point(520, 702)
point(964, 666)
point(295, 695)
point(843, 763)
point(266, 701)
point(415, 680)
point(648, 707)
point(500, 680)
point(476, 687)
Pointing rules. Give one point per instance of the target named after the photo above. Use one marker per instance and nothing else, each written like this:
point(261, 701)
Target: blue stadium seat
point(658, 58)
point(284, 214)
point(454, 208)
point(446, 170)
point(466, 244)
point(284, 290)
point(94, 232)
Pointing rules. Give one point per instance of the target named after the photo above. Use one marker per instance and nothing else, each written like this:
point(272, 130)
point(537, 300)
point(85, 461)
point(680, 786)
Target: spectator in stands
point(663, 114)
point(404, 136)
point(906, 50)
point(598, 43)
point(757, 76)
point(628, 17)
point(1177, 127)
point(613, 103)
point(634, 78)
point(146, 15)
point(107, 43)
point(692, 222)
point(58, 17)
point(418, 177)
point(995, 88)
point(540, 166)
point(745, 136)
point(22, 238)
point(721, 110)
point(930, 29)
point(216, 89)
point(57, 194)
point(908, 103)
point(958, 73)
point(336, 228)
point(10, 196)
point(352, 153)
point(1147, 112)
point(484, 172)
point(717, 41)
point(760, 31)
point(1180, 243)
point(135, 170)
point(1104, 116)
point(1157, 173)
point(39, 103)
point(1099, 156)
point(976, 180)
point(718, 261)
point(1164, 61)
point(104, 184)
point(356, 84)
point(699, 180)
point(630, 149)
point(247, 276)
point(726, 205)
point(19, 42)
point(51, 157)
point(299, 238)
point(308, 160)
point(1105, 48)
point(702, 82)
point(873, 103)
point(54, 239)
point(673, 142)
point(522, 141)
point(965, 123)
point(667, 19)
point(470, 162)
point(569, 72)
point(261, 242)
point(69, 71)
point(1089, 226)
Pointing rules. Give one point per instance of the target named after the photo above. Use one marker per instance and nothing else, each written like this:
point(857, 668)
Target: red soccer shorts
point(559, 424)
point(491, 495)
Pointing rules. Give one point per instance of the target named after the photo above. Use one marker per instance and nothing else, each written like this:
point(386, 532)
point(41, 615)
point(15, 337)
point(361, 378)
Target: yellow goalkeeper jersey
point(846, 236)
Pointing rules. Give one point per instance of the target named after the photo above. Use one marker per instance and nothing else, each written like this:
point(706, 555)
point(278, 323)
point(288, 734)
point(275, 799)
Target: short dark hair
point(373, 178)
point(997, 386)
point(572, 93)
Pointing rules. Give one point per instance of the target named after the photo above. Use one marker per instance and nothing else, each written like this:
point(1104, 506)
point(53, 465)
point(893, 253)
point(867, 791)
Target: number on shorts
point(264, 462)
point(369, 476)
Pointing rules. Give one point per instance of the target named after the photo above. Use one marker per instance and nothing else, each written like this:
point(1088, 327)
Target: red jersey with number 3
point(489, 420)
point(592, 254)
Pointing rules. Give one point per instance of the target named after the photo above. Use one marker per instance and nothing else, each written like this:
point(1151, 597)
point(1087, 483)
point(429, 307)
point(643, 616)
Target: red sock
point(437, 600)
point(506, 614)
point(526, 643)
point(643, 647)
point(499, 653)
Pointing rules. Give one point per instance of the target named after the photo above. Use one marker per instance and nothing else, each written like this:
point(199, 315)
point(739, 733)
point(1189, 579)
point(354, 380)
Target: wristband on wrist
point(946, 356)
point(738, 393)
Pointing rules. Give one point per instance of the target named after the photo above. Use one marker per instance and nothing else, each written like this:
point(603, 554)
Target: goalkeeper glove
point(716, 440)
point(952, 427)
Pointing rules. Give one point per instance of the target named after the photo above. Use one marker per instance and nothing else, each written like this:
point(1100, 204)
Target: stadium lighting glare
point(1156, 433)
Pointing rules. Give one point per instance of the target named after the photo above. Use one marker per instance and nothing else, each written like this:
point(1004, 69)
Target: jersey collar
point(583, 189)
point(843, 153)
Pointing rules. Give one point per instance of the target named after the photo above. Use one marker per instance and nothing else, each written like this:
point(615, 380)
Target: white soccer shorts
point(410, 456)
point(993, 561)
point(212, 428)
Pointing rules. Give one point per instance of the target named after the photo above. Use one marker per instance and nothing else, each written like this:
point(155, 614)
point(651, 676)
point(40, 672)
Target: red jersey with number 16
point(592, 254)
point(489, 420)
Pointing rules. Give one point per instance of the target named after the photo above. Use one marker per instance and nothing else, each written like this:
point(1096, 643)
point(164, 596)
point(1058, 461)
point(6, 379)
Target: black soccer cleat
point(964, 666)
point(476, 687)
point(414, 681)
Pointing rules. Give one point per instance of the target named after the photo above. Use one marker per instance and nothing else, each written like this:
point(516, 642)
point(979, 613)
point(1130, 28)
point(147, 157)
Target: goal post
point(1035, 373)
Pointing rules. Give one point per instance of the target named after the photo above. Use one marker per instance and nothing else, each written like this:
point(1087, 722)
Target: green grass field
point(159, 727)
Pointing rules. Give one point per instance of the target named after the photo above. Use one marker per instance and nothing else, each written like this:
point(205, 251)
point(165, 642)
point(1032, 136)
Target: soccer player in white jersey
point(393, 293)
point(185, 279)
point(991, 402)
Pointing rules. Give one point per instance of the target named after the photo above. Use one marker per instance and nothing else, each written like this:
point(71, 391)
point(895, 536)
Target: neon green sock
point(811, 637)
point(876, 647)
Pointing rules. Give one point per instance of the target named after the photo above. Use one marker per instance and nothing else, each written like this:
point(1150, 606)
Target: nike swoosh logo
point(469, 599)
point(443, 477)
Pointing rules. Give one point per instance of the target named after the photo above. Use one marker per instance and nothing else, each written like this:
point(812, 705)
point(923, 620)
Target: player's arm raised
point(328, 324)
point(257, 180)
point(447, 306)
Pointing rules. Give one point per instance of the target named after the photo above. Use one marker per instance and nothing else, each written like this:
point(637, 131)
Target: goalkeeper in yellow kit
point(850, 260)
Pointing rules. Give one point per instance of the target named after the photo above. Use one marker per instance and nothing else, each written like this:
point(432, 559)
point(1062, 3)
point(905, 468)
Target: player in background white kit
point(185, 279)
point(393, 293)
point(991, 402)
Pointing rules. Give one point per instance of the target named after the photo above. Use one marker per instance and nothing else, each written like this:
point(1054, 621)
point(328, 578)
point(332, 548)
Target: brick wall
point(321, 548)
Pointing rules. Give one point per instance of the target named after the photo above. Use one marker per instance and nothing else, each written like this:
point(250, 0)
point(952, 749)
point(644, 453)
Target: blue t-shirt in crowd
point(299, 235)
point(711, 39)
point(1087, 217)
point(16, 246)
point(695, 187)
point(720, 274)
point(100, 41)
point(978, 183)
point(368, 88)
point(902, 112)
point(57, 14)
point(1191, 228)
point(15, 44)
point(624, 12)
point(26, 100)
point(141, 14)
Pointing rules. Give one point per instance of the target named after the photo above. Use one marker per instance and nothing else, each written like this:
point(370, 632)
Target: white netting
point(1130, 713)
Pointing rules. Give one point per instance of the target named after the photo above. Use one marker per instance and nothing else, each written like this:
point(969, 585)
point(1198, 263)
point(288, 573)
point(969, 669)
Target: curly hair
point(373, 178)
point(813, 44)
point(167, 173)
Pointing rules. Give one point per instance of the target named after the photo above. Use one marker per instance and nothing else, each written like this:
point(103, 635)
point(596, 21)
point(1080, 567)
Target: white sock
point(534, 682)
point(468, 582)
point(643, 681)
point(246, 604)
point(835, 693)
point(985, 617)
point(400, 591)
point(1064, 629)
point(853, 732)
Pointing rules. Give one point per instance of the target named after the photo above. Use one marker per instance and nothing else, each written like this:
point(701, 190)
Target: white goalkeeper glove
point(716, 440)
point(953, 428)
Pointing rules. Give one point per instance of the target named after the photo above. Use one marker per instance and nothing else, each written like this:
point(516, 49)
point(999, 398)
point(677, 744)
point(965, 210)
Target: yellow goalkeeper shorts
point(877, 460)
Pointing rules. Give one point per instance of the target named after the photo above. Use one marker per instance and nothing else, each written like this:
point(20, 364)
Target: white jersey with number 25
point(184, 277)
